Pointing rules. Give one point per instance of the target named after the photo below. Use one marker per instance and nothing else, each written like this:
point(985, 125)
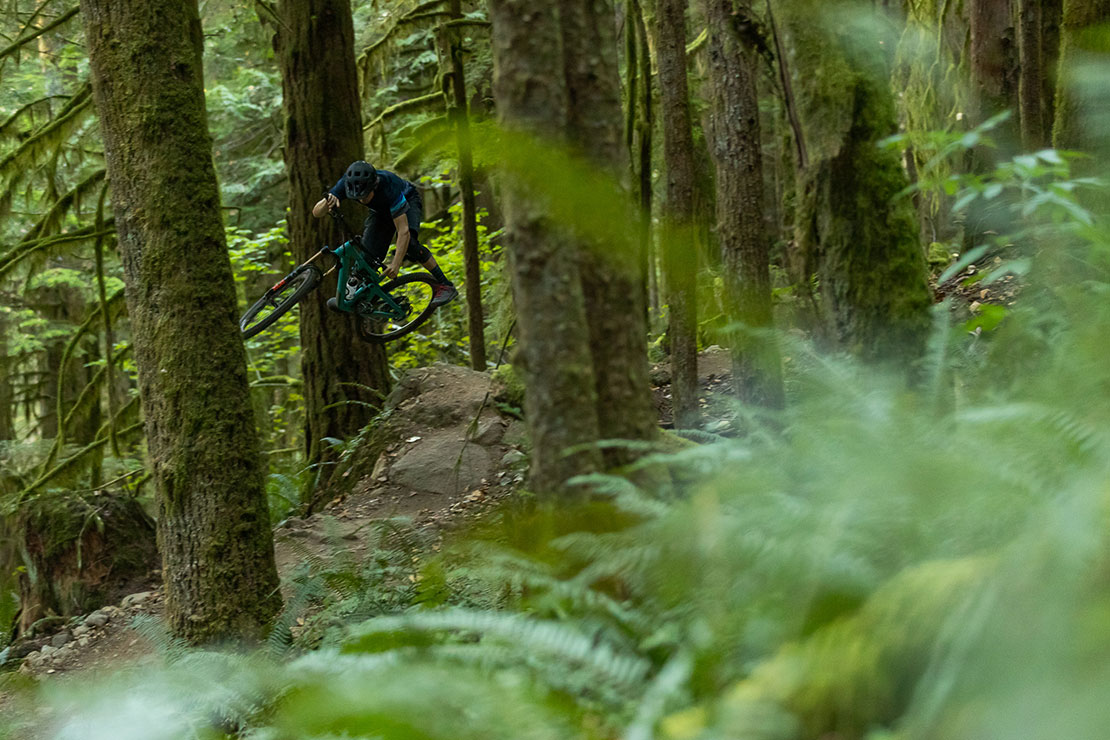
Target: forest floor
point(449, 456)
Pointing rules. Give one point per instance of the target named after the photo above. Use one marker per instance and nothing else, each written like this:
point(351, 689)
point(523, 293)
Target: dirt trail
point(445, 456)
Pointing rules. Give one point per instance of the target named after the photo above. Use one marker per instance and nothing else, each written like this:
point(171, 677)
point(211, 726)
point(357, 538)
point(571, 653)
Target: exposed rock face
point(441, 435)
point(441, 463)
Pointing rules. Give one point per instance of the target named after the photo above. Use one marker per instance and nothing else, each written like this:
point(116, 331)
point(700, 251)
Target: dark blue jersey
point(391, 195)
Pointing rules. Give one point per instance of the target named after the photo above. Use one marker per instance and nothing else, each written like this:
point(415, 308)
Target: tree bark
point(736, 150)
point(554, 351)
point(680, 254)
point(859, 239)
point(344, 378)
point(7, 395)
point(460, 115)
point(993, 57)
point(612, 275)
point(1077, 99)
point(1031, 82)
point(213, 522)
point(1052, 12)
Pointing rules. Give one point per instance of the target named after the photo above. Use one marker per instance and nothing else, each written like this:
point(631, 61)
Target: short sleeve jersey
point(390, 194)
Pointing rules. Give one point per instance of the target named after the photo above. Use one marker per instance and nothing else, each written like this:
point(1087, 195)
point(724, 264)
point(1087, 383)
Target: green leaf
point(990, 316)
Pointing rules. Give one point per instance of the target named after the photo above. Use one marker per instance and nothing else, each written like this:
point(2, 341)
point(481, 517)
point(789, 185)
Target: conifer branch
point(22, 41)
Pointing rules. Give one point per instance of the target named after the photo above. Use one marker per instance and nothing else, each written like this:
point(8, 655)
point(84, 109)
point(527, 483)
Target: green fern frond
point(155, 631)
point(556, 640)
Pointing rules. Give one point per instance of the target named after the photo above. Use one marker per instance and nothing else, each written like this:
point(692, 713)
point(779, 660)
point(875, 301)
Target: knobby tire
point(301, 281)
point(369, 329)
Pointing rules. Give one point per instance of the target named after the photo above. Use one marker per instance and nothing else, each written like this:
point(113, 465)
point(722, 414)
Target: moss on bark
point(344, 378)
point(213, 523)
point(857, 236)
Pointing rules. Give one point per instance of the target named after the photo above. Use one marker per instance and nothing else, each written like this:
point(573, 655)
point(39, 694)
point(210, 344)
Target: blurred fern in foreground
point(879, 561)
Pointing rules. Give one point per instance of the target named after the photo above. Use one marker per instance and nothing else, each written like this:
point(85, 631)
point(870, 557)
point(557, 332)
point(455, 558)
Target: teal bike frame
point(369, 300)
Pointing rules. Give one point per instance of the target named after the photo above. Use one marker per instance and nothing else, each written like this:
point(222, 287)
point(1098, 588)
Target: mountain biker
point(395, 208)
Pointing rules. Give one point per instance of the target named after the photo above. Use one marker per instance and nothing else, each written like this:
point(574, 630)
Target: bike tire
point(375, 331)
point(295, 286)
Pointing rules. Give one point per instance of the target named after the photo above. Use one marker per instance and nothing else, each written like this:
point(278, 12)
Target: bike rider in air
point(395, 208)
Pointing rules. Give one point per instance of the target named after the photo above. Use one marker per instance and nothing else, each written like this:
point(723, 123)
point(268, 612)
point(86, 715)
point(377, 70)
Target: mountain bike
point(382, 312)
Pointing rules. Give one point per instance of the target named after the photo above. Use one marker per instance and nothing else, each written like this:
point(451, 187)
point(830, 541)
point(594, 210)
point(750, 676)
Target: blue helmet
point(360, 180)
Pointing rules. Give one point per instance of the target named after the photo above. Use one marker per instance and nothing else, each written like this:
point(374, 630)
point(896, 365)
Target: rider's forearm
point(402, 248)
point(320, 208)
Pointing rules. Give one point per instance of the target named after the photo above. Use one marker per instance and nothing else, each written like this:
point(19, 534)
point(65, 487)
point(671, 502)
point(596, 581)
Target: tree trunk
point(7, 395)
point(460, 115)
point(213, 522)
point(1031, 83)
point(1052, 12)
point(861, 240)
point(644, 123)
point(554, 351)
point(612, 275)
point(1081, 99)
point(736, 150)
point(993, 58)
point(680, 254)
point(314, 42)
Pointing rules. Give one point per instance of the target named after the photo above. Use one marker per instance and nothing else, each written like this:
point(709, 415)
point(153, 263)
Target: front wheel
point(279, 299)
point(413, 293)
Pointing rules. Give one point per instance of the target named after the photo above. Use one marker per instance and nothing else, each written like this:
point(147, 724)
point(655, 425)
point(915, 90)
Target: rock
point(81, 629)
point(98, 618)
point(516, 434)
point(513, 457)
point(84, 640)
point(61, 638)
point(489, 432)
point(47, 651)
point(434, 465)
point(660, 375)
point(380, 467)
point(135, 599)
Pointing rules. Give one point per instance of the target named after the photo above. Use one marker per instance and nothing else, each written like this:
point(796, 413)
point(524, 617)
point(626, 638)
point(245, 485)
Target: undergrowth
point(877, 561)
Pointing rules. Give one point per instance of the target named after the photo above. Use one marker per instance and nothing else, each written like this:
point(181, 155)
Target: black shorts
point(378, 233)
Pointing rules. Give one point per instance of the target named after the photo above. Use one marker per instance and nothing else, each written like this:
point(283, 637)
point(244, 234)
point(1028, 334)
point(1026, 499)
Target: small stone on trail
point(97, 619)
point(135, 599)
point(512, 457)
point(61, 638)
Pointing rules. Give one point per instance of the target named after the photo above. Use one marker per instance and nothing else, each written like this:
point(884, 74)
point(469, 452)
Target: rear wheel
point(413, 293)
point(279, 299)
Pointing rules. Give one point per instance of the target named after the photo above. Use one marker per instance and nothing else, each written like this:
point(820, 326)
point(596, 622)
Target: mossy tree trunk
point(1052, 13)
point(612, 274)
point(554, 350)
point(735, 145)
point(314, 41)
point(459, 114)
point(857, 236)
point(639, 134)
point(1031, 83)
point(680, 253)
point(213, 523)
point(7, 395)
point(1081, 99)
point(993, 58)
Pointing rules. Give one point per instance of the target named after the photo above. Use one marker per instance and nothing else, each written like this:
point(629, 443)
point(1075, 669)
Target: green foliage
point(444, 338)
point(872, 559)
